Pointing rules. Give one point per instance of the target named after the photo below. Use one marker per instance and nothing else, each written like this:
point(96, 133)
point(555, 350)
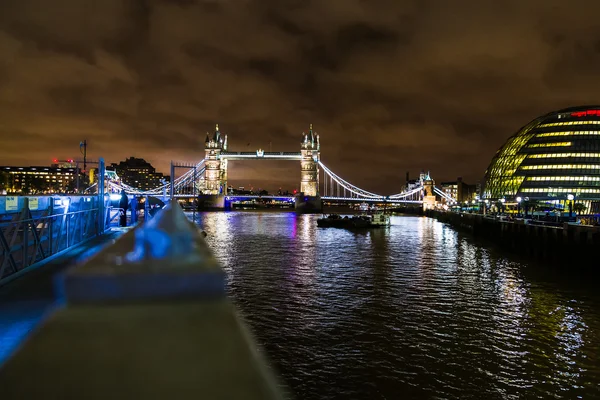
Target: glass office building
point(550, 158)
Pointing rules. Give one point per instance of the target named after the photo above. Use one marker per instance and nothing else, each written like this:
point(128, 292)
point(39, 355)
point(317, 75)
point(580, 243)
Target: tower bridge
point(217, 157)
point(207, 180)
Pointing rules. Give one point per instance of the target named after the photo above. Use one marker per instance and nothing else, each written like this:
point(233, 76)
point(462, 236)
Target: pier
point(567, 242)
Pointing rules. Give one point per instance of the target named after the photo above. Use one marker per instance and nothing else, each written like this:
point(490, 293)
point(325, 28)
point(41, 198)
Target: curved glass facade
point(553, 156)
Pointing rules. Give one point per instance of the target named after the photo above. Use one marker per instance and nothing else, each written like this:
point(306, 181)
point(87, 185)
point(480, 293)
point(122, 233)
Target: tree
point(4, 182)
point(579, 208)
point(36, 185)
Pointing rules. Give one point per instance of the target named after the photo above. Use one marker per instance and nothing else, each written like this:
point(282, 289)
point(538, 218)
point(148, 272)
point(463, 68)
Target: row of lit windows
point(500, 178)
point(37, 173)
point(563, 178)
point(560, 190)
point(569, 123)
point(568, 133)
point(557, 144)
point(47, 179)
point(39, 177)
point(559, 155)
point(562, 166)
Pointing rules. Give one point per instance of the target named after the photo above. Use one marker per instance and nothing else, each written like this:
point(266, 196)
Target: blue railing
point(33, 229)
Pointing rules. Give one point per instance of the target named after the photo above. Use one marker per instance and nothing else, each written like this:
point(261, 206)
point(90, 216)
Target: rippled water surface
point(413, 311)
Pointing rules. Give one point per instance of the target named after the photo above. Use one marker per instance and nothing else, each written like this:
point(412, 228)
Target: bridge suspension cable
point(444, 195)
point(358, 192)
point(186, 180)
point(411, 192)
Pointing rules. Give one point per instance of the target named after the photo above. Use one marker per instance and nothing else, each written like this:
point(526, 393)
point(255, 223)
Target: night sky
point(391, 86)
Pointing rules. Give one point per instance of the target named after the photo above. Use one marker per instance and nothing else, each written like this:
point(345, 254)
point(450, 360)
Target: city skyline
point(390, 86)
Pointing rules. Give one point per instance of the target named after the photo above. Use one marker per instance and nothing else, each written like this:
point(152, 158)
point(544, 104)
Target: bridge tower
point(216, 169)
point(428, 193)
point(311, 153)
point(223, 171)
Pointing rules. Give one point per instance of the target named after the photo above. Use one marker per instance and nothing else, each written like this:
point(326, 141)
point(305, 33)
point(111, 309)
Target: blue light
point(16, 322)
point(114, 196)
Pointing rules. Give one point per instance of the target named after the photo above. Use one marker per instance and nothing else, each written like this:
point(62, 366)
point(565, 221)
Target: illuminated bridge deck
point(290, 199)
point(269, 155)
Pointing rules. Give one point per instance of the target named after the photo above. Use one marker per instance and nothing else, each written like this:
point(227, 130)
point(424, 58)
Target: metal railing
point(28, 237)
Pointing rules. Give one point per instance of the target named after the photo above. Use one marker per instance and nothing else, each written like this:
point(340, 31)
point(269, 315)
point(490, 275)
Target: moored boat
point(358, 221)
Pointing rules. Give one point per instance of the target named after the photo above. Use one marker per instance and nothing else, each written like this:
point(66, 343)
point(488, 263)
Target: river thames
point(416, 310)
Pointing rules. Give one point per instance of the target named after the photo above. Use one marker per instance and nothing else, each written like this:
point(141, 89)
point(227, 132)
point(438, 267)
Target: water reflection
point(413, 311)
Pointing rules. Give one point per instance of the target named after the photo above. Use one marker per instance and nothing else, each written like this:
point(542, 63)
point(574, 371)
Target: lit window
point(569, 123)
point(561, 166)
point(557, 144)
point(560, 155)
point(568, 133)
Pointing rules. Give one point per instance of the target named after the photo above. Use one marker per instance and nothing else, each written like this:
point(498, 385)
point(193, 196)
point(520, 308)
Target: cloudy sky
point(390, 85)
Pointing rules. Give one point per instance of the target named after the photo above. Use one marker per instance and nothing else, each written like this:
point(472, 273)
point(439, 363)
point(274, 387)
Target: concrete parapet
point(145, 318)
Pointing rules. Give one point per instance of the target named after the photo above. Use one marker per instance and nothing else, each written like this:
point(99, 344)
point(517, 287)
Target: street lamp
point(519, 205)
point(83, 150)
point(570, 197)
point(502, 201)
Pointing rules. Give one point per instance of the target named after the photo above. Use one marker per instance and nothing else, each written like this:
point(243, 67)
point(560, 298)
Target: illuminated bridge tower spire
point(223, 171)
point(214, 169)
point(311, 153)
point(428, 193)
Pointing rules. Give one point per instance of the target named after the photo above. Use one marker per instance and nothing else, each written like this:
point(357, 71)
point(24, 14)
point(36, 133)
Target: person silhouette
point(123, 204)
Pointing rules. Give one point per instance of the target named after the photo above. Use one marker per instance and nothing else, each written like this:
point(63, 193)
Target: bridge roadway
point(269, 155)
point(290, 199)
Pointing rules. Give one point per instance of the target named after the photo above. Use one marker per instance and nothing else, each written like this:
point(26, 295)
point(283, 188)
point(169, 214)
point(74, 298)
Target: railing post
point(172, 181)
point(101, 217)
point(25, 237)
point(51, 226)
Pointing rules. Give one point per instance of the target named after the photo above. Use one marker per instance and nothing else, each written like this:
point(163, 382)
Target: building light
point(585, 113)
point(558, 144)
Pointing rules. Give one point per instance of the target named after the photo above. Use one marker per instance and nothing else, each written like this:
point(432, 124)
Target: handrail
point(27, 239)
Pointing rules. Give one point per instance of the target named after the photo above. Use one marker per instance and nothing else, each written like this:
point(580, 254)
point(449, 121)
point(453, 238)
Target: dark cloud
point(391, 86)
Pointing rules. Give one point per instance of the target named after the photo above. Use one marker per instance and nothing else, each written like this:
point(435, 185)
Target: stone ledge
point(178, 350)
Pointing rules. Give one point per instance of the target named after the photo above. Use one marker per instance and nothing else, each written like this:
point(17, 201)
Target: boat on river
point(377, 220)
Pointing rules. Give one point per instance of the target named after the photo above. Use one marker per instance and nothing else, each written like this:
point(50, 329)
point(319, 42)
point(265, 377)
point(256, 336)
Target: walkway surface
point(25, 301)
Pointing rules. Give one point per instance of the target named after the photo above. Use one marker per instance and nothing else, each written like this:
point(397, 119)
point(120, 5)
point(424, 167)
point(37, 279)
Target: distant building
point(460, 191)
point(138, 173)
point(37, 180)
point(451, 189)
point(553, 159)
